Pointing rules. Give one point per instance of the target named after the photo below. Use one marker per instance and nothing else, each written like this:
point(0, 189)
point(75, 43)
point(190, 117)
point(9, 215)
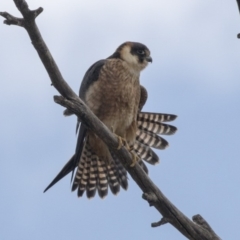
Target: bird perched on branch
point(111, 89)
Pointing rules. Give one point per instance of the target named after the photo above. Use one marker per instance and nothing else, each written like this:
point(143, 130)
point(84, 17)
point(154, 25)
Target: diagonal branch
point(238, 3)
point(71, 101)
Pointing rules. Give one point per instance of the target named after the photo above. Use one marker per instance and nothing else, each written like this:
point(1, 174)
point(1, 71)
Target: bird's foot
point(135, 158)
point(122, 142)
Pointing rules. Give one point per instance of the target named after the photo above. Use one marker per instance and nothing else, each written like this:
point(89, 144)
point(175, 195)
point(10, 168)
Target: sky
point(195, 75)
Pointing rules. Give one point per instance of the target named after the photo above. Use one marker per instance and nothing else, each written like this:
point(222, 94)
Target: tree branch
point(238, 3)
point(199, 220)
point(199, 231)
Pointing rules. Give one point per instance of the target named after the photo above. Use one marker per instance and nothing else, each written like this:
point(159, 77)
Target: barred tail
point(146, 153)
point(150, 139)
point(94, 174)
point(156, 117)
point(150, 125)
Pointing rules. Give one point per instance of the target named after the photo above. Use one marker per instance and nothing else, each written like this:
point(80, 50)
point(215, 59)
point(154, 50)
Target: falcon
point(112, 90)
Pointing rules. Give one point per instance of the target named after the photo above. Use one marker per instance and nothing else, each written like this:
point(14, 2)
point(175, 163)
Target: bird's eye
point(141, 52)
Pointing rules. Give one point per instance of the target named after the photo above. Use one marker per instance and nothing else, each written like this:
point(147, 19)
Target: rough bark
point(197, 229)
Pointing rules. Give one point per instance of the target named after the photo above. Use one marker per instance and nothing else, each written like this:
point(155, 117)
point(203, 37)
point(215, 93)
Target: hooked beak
point(149, 59)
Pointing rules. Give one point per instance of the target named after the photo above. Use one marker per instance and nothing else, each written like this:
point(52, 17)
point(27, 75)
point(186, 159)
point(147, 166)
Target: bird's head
point(137, 55)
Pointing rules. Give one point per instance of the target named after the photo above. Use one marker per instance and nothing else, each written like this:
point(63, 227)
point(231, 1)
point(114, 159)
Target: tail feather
point(150, 139)
point(122, 176)
point(113, 179)
point(145, 153)
point(157, 128)
point(84, 178)
point(80, 170)
point(121, 172)
point(102, 186)
point(143, 166)
point(92, 180)
point(155, 117)
point(94, 174)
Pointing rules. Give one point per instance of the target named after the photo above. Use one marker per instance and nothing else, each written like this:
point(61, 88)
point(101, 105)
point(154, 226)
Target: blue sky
point(195, 74)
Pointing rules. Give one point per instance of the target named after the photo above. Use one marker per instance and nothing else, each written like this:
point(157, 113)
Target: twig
point(11, 20)
point(71, 101)
point(161, 222)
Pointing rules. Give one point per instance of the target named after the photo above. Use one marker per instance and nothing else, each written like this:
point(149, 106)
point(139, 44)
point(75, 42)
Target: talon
point(135, 159)
point(123, 142)
point(120, 142)
point(130, 148)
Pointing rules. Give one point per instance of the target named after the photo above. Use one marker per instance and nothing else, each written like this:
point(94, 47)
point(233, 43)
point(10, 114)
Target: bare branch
point(199, 220)
point(71, 101)
point(238, 3)
point(160, 223)
point(11, 20)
